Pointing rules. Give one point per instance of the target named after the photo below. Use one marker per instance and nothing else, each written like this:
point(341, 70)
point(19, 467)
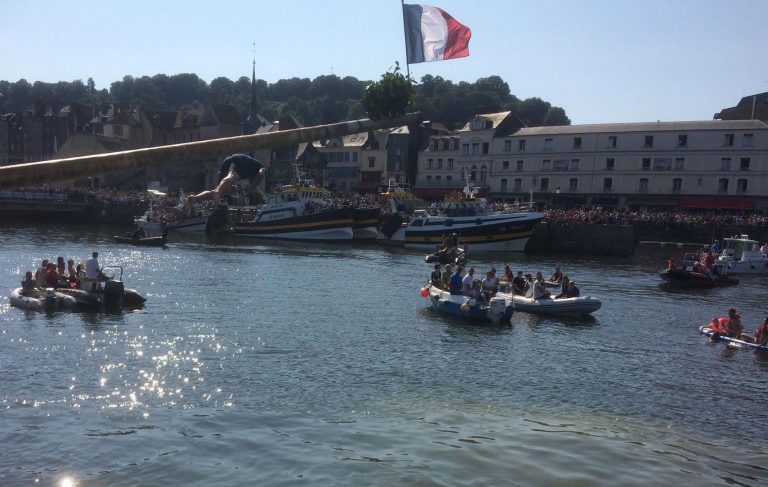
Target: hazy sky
point(602, 61)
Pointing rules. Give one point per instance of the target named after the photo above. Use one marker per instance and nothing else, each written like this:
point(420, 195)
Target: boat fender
point(424, 292)
point(465, 308)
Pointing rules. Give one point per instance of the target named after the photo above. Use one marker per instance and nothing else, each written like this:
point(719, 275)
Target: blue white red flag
point(431, 34)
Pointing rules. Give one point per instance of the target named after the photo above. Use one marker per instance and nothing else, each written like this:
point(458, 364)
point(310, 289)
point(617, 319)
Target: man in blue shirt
point(455, 283)
point(715, 249)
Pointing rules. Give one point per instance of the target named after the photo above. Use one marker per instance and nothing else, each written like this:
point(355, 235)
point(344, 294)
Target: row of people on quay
point(600, 215)
point(460, 280)
point(732, 327)
point(60, 274)
point(84, 194)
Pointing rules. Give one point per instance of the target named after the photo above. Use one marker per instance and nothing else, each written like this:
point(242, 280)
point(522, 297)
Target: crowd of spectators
point(675, 216)
point(81, 194)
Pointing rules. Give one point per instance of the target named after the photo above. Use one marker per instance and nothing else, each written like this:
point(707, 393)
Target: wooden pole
point(56, 170)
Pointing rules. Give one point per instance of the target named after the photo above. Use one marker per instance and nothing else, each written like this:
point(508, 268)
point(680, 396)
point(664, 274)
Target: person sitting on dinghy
point(436, 277)
point(733, 327)
point(455, 283)
point(29, 283)
point(572, 291)
point(761, 334)
point(563, 288)
point(468, 284)
point(518, 284)
point(556, 276)
point(445, 278)
point(539, 290)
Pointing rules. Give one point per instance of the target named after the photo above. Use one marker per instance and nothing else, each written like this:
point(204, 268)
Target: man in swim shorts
point(234, 168)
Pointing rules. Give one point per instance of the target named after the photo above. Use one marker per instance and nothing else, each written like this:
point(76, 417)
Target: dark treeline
point(325, 99)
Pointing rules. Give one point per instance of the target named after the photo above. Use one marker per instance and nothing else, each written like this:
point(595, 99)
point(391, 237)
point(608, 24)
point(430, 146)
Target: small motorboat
point(498, 310)
point(450, 256)
point(41, 300)
point(138, 238)
point(112, 293)
point(685, 278)
point(732, 342)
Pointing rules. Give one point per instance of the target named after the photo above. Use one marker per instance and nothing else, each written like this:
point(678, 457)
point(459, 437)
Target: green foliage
point(393, 95)
point(325, 99)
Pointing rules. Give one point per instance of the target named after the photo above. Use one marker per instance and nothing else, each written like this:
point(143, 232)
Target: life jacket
point(720, 326)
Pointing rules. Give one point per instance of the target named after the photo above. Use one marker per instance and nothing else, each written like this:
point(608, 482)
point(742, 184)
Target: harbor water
point(256, 363)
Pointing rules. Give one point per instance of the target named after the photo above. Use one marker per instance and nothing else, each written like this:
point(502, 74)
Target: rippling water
point(282, 364)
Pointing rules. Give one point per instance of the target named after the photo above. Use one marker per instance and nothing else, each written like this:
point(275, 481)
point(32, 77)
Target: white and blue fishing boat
point(497, 311)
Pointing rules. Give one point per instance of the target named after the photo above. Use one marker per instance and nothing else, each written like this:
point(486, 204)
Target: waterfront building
point(701, 164)
point(356, 162)
point(752, 107)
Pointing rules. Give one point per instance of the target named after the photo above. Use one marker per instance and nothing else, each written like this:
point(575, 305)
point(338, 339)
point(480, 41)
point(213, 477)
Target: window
point(465, 149)
point(429, 163)
point(648, 141)
point(560, 165)
point(577, 142)
point(609, 163)
point(473, 173)
point(744, 165)
point(118, 130)
point(505, 164)
point(679, 163)
point(429, 177)
point(746, 140)
point(545, 184)
point(643, 187)
point(646, 164)
point(677, 185)
point(475, 148)
point(741, 186)
point(521, 144)
point(507, 145)
point(575, 164)
point(438, 177)
point(439, 164)
point(573, 184)
point(346, 156)
point(485, 147)
point(372, 162)
point(546, 164)
point(612, 140)
point(503, 186)
point(518, 185)
point(548, 144)
point(607, 185)
point(483, 172)
point(519, 166)
point(682, 140)
point(450, 163)
point(445, 144)
point(728, 140)
point(722, 185)
point(725, 164)
point(448, 177)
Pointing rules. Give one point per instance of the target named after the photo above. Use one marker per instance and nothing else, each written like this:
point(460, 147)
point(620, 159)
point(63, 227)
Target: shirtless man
point(233, 169)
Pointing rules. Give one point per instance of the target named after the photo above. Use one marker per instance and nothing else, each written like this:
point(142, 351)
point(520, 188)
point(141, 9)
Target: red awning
point(717, 203)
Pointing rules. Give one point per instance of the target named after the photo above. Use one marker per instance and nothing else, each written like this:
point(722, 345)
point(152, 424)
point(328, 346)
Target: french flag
point(431, 34)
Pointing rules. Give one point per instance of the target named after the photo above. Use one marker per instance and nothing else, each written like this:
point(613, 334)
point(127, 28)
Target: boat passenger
point(761, 334)
point(61, 267)
point(507, 276)
point(40, 273)
point(572, 291)
point(563, 288)
point(233, 169)
point(518, 284)
point(51, 276)
point(455, 283)
point(138, 234)
point(445, 277)
point(764, 248)
point(93, 272)
point(468, 284)
point(671, 264)
point(29, 283)
point(556, 276)
point(539, 290)
point(715, 248)
point(71, 270)
point(490, 284)
point(436, 277)
point(733, 327)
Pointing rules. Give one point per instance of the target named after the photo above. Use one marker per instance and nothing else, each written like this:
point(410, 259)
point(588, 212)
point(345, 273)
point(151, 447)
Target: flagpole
point(405, 39)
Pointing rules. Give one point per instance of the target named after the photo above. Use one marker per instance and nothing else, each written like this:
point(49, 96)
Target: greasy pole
point(56, 170)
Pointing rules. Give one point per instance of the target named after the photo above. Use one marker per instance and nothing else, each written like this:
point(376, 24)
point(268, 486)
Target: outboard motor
point(113, 292)
point(499, 311)
point(49, 295)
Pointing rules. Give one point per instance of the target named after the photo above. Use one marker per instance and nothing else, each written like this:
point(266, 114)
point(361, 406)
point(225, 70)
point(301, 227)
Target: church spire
point(253, 87)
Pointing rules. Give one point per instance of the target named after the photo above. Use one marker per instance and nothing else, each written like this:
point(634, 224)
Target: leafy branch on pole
point(392, 96)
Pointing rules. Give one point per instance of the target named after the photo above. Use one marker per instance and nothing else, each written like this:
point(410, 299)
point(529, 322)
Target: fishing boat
point(497, 311)
point(365, 225)
point(686, 278)
point(732, 342)
point(41, 299)
point(297, 211)
point(476, 225)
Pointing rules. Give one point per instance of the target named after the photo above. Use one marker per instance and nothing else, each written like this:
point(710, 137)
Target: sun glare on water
point(67, 482)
